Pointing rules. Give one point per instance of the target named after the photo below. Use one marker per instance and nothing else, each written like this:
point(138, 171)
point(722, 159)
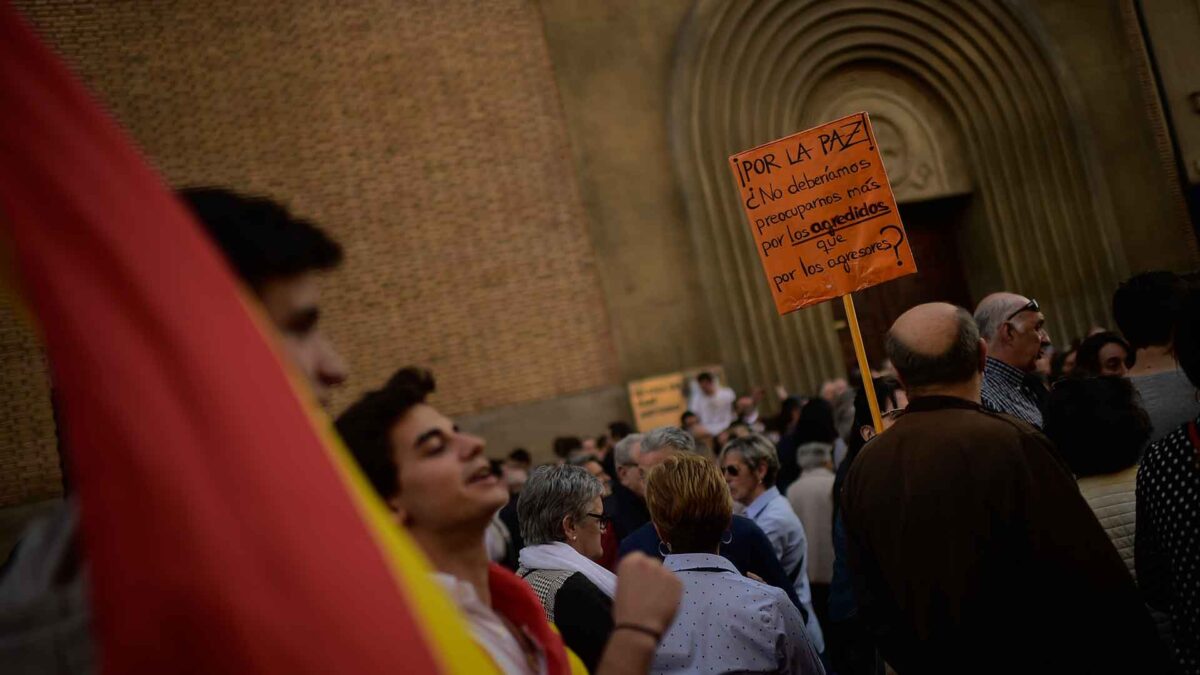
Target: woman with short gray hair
point(562, 518)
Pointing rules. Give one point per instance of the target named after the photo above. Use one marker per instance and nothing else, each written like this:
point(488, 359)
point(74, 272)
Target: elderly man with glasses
point(1015, 330)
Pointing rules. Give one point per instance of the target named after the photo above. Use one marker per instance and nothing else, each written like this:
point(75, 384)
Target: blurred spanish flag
point(225, 527)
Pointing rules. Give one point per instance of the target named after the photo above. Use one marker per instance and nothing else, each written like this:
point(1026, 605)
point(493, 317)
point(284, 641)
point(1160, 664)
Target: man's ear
point(983, 352)
point(1004, 333)
point(398, 512)
point(867, 432)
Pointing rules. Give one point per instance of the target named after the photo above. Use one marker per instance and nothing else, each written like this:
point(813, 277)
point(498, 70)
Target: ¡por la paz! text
point(833, 141)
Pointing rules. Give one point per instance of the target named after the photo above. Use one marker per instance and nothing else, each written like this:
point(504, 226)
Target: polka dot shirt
point(728, 623)
point(1168, 532)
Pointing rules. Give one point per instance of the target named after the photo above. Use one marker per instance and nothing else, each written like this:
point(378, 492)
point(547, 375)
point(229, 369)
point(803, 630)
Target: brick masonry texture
point(427, 137)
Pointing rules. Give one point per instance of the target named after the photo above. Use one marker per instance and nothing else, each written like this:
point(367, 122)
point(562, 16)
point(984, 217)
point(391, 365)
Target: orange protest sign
point(822, 213)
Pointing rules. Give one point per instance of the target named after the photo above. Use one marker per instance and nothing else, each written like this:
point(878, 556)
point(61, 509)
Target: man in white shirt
point(713, 404)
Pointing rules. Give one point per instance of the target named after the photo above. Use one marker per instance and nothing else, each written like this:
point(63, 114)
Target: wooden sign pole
point(824, 220)
point(865, 368)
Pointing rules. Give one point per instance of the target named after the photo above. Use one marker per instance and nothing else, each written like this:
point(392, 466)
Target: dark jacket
point(627, 510)
point(508, 515)
point(973, 551)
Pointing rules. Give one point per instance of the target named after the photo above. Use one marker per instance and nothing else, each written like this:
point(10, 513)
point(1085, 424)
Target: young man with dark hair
point(442, 489)
point(1145, 308)
point(965, 526)
point(279, 257)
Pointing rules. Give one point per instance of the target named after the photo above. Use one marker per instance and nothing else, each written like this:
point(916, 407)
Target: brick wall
point(28, 457)
point(426, 136)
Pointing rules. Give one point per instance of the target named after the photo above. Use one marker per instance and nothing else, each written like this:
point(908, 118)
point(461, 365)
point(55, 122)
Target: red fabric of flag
point(219, 532)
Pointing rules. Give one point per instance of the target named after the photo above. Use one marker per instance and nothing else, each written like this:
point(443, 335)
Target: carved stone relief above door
point(966, 97)
point(921, 145)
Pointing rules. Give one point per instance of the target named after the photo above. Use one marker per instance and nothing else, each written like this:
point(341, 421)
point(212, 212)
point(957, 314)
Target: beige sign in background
point(657, 401)
point(660, 401)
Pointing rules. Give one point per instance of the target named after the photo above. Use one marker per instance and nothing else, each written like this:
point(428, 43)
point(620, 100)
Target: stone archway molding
point(745, 74)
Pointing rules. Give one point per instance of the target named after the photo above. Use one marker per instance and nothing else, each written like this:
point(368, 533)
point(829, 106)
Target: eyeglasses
point(732, 470)
point(1031, 306)
point(601, 520)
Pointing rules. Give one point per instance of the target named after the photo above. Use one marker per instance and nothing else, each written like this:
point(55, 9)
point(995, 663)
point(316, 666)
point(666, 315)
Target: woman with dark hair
point(1100, 429)
point(1103, 353)
point(1168, 509)
point(784, 423)
point(815, 425)
point(1063, 362)
point(850, 648)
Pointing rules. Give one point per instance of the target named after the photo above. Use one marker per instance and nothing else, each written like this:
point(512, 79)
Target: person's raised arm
point(647, 598)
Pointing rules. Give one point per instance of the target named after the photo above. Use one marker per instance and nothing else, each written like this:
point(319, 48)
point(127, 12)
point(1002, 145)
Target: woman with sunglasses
point(751, 466)
point(562, 520)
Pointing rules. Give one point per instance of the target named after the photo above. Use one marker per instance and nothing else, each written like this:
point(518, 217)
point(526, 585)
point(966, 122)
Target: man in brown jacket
point(971, 546)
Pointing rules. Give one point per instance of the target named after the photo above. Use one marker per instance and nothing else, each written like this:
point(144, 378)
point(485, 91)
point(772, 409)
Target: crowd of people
point(1015, 485)
point(1020, 509)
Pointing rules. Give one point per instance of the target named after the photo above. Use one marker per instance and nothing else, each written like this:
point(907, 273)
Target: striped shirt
point(1006, 391)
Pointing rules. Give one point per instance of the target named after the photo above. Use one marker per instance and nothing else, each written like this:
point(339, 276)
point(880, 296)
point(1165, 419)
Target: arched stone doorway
point(970, 106)
point(930, 174)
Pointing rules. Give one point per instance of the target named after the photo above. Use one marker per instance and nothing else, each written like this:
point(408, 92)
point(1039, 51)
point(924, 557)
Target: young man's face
point(446, 483)
point(292, 305)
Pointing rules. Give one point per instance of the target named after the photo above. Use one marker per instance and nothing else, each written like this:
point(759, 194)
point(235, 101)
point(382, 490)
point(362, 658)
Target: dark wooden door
point(932, 229)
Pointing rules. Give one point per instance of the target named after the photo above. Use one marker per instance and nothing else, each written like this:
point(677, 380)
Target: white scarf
point(560, 556)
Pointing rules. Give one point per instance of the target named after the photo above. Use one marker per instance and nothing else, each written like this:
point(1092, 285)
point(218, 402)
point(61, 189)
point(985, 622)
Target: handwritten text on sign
point(822, 213)
point(657, 401)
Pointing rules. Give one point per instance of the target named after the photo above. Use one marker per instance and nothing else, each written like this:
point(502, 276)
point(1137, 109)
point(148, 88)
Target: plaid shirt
point(1006, 391)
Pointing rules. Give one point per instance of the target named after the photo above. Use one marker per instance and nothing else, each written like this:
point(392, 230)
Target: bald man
point(1015, 330)
point(971, 548)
